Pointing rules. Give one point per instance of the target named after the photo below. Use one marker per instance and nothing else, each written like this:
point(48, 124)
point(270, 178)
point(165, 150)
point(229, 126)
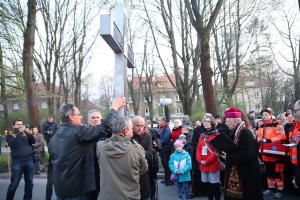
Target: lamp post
point(165, 102)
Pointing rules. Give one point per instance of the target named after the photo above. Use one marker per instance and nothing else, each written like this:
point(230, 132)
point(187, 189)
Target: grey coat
point(121, 162)
point(39, 142)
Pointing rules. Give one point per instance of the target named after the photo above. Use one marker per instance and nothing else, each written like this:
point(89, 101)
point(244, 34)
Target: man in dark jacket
point(145, 140)
point(166, 146)
point(242, 167)
point(49, 129)
point(72, 154)
point(20, 141)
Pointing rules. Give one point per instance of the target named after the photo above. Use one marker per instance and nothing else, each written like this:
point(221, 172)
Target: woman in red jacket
point(206, 156)
point(177, 129)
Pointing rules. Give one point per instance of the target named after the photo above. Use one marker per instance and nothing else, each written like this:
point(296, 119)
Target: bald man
point(145, 140)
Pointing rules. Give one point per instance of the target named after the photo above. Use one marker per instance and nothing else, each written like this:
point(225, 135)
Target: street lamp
point(165, 102)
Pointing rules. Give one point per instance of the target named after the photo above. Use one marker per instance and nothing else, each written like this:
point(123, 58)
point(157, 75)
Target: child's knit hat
point(178, 143)
point(182, 136)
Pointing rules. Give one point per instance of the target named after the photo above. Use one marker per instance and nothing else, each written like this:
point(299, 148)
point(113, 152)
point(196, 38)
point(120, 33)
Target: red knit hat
point(232, 112)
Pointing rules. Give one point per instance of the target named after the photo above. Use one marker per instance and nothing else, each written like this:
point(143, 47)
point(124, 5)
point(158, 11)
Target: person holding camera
point(49, 129)
point(20, 141)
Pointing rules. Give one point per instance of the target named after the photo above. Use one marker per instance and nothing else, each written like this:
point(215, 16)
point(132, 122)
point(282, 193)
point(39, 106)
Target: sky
point(102, 62)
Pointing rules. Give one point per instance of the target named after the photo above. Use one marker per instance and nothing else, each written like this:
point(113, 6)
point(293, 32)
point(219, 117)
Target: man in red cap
point(271, 132)
point(242, 169)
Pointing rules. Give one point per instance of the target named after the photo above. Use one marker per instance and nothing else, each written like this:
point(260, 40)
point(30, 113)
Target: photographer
point(153, 167)
point(49, 128)
point(20, 141)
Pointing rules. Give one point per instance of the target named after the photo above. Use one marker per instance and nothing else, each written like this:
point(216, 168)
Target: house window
point(146, 112)
point(256, 94)
point(16, 106)
point(131, 112)
point(178, 110)
point(177, 98)
point(1, 107)
point(43, 105)
point(257, 106)
point(129, 99)
point(160, 84)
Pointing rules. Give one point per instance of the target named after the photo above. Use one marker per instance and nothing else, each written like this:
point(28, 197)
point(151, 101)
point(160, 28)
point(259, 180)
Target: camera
point(28, 126)
point(154, 132)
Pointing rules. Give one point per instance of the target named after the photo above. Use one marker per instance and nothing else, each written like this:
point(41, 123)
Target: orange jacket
point(294, 137)
point(273, 131)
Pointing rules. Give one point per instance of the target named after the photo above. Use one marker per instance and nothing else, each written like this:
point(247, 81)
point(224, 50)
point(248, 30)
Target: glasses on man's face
point(205, 121)
point(77, 114)
point(296, 110)
point(148, 127)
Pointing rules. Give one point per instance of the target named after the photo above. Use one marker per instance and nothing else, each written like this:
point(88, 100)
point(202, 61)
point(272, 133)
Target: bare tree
point(233, 37)
point(203, 24)
point(12, 26)
point(51, 38)
point(28, 49)
point(289, 34)
point(184, 58)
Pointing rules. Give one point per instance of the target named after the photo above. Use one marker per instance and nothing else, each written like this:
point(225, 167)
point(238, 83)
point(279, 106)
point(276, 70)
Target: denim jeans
point(16, 174)
point(86, 196)
point(37, 166)
point(185, 187)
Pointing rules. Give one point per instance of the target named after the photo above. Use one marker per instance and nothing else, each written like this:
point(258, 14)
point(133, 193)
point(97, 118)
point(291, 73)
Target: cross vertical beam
point(115, 35)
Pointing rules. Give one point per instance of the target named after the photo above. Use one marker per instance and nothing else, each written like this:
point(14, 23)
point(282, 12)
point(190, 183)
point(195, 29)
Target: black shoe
point(163, 181)
point(192, 196)
point(169, 183)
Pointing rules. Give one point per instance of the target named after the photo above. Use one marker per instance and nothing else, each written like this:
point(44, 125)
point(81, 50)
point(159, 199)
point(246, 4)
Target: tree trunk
point(206, 75)
point(29, 79)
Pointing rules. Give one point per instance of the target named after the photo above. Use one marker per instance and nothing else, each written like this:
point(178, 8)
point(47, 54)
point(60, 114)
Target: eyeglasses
point(77, 114)
point(296, 110)
point(148, 127)
point(206, 121)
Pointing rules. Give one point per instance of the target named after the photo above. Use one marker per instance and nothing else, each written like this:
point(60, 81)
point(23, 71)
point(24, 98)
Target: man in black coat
point(242, 170)
point(72, 154)
point(49, 128)
point(145, 140)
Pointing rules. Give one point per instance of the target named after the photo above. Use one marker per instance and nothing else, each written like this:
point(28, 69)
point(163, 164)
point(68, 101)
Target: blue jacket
point(165, 138)
point(20, 146)
point(185, 165)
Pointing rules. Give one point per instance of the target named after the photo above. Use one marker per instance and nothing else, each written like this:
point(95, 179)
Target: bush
point(3, 162)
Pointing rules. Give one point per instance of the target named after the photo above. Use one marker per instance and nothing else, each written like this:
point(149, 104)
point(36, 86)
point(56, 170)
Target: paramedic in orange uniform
point(272, 131)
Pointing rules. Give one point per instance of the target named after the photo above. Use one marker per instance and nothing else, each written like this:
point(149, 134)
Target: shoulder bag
point(174, 176)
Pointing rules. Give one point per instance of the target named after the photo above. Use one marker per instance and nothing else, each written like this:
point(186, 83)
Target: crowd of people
point(118, 157)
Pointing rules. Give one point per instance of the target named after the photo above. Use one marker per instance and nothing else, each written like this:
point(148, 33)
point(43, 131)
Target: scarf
point(234, 187)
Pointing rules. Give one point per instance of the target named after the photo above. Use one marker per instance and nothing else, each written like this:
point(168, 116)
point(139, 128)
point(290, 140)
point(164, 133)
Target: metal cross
point(115, 35)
